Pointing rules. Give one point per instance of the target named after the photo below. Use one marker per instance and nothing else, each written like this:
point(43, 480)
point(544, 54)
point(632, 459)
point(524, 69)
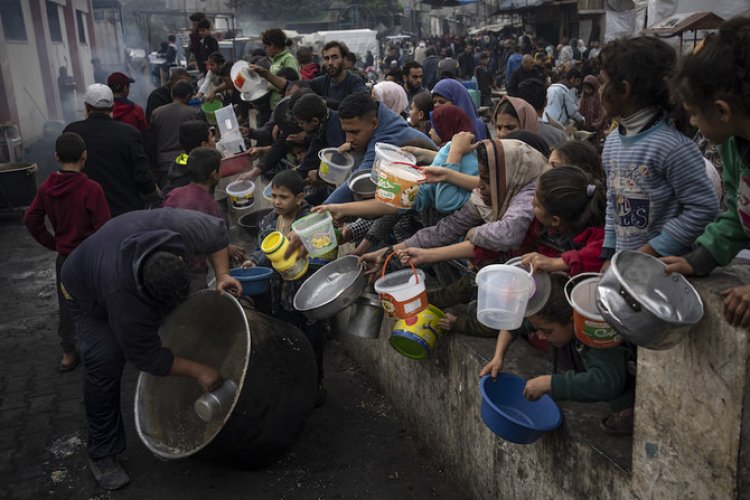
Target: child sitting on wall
point(579, 372)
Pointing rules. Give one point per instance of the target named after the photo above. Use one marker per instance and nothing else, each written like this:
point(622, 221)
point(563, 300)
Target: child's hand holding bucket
point(537, 387)
point(541, 262)
point(417, 256)
point(345, 148)
point(447, 321)
point(295, 243)
point(337, 211)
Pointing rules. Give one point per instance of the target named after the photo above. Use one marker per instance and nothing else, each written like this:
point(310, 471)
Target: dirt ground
point(352, 447)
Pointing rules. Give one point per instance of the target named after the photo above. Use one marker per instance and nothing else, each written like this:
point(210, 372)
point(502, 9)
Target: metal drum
point(272, 363)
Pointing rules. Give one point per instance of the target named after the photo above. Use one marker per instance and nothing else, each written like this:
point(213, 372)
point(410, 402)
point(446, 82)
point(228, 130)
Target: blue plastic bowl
point(254, 280)
point(513, 417)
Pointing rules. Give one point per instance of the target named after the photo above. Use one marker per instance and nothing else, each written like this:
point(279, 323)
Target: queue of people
point(521, 187)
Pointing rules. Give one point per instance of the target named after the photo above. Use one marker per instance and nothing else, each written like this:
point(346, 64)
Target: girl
point(419, 116)
point(714, 85)
point(588, 374)
point(580, 154)
point(450, 91)
point(513, 113)
point(591, 106)
point(659, 197)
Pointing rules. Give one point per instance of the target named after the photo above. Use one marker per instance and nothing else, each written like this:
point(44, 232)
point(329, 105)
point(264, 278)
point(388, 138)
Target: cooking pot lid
point(328, 283)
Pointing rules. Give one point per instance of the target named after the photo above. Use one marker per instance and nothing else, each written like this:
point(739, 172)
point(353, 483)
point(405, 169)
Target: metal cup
point(214, 404)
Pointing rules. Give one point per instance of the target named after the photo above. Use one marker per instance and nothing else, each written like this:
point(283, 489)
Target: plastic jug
point(275, 246)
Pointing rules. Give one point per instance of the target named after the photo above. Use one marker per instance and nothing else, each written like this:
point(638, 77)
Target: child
point(419, 114)
point(193, 134)
point(588, 374)
point(578, 153)
point(713, 84)
point(659, 196)
point(288, 193)
point(203, 172)
point(214, 82)
point(484, 79)
point(76, 207)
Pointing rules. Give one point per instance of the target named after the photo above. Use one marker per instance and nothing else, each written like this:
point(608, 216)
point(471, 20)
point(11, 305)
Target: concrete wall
point(690, 440)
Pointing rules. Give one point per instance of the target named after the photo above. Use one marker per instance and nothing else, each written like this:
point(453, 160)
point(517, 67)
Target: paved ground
point(353, 447)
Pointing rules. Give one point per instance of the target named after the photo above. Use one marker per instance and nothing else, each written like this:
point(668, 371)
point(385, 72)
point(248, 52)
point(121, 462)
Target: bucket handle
point(520, 264)
point(385, 264)
point(568, 288)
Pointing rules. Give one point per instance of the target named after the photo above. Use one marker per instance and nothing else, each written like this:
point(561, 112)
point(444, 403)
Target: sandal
point(619, 423)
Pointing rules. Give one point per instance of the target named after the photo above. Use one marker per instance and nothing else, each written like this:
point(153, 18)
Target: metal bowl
point(251, 222)
point(645, 305)
point(362, 185)
point(332, 288)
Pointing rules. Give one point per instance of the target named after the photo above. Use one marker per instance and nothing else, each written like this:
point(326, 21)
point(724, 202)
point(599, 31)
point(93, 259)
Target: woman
point(276, 45)
point(591, 106)
point(450, 91)
point(392, 95)
point(513, 113)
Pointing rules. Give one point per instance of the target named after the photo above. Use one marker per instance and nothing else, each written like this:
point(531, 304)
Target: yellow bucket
point(415, 337)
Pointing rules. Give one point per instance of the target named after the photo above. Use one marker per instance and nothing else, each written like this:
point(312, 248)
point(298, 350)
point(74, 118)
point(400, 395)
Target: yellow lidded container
point(275, 246)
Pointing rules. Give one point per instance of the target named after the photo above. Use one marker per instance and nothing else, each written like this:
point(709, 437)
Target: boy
point(484, 79)
point(288, 192)
point(193, 134)
point(76, 207)
point(215, 82)
point(203, 172)
point(207, 45)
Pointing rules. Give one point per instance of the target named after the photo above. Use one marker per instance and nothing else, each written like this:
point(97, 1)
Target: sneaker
point(109, 473)
point(320, 399)
point(619, 423)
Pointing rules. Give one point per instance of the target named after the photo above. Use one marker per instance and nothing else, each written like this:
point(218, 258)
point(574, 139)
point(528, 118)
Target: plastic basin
point(334, 166)
point(504, 292)
point(210, 108)
point(254, 280)
point(316, 232)
point(513, 417)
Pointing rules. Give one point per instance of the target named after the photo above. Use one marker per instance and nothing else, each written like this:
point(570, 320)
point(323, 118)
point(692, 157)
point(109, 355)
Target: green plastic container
point(210, 108)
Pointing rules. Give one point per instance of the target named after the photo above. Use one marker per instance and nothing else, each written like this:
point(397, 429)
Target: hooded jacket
point(127, 111)
point(75, 206)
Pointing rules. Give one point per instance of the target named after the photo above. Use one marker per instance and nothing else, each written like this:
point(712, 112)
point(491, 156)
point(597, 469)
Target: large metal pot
point(645, 305)
point(272, 364)
point(17, 184)
point(367, 318)
point(331, 289)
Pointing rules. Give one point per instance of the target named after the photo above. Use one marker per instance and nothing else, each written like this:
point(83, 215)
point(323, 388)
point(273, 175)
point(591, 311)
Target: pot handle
point(385, 264)
point(629, 300)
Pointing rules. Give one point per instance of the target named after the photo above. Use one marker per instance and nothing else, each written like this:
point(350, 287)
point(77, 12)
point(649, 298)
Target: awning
point(505, 6)
point(448, 3)
point(689, 21)
point(492, 28)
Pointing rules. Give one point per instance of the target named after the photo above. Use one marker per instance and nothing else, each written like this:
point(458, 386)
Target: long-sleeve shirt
point(501, 235)
point(561, 104)
point(658, 191)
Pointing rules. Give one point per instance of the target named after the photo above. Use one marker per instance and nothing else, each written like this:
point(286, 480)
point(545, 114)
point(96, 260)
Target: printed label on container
point(323, 168)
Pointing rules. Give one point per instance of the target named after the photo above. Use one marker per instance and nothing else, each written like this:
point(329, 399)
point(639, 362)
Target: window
point(80, 20)
point(53, 19)
point(12, 19)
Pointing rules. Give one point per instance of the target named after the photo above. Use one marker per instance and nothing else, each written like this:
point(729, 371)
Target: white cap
point(99, 96)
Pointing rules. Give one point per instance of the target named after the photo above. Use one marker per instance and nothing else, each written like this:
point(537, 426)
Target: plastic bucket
point(402, 294)
point(504, 292)
point(390, 154)
point(415, 337)
point(254, 280)
point(267, 194)
point(334, 166)
point(513, 417)
point(398, 184)
point(241, 193)
point(361, 184)
point(589, 326)
point(316, 232)
point(542, 288)
point(210, 108)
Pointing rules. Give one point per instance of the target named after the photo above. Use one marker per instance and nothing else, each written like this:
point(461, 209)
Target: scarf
point(527, 118)
point(459, 96)
point(392, 95)
point(448, 120)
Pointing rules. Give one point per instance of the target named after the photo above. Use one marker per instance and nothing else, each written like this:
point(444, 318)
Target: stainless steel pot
point(331, 289)
point(272, 364)
point(645, 305)
point(367, 317)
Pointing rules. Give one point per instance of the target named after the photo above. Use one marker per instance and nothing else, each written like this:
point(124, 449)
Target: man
point(350, 65)
point(528, 70)
point(514, 62)
point(391, 59)
point(467, 63)
point(562, 104)
point(366, 122)
point(116, 159)
point(430, 68)
point(125, 110)
point(334, 85)
point(162, 96)
point(413, 75)
point(166, 122)
point(208, 44)
point(534, 92)
point(420, 53)
point(195, 39)
point(323, 127)
point(448, 67)
point(120, 284)
point(100, 74)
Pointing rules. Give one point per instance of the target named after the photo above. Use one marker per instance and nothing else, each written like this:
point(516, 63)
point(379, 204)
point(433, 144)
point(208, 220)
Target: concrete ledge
point(689, 441)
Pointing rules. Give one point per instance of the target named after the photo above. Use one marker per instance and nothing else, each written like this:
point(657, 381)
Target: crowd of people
point(524, 184)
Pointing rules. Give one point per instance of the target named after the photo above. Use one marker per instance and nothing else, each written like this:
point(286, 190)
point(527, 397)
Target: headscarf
point(535, 141)
point(448, 120)
point(392, 95)
point(512, 165)
point(527, 118)
point(591, 105)
point(458, 95)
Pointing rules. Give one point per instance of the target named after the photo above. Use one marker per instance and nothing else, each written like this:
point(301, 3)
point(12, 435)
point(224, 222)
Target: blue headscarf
point(459, 96)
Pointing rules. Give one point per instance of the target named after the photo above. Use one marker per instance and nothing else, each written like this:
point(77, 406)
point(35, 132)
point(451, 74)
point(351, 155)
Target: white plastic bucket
point(589, 326)
point(403, 293)
point(334, 166)
point(504, 292)
point(316, 232)
point(398, 184)
point(391, 154)
point(241, 193)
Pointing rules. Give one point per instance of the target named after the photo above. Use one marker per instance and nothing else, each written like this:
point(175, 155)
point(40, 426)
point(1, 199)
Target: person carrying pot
point(120, 284)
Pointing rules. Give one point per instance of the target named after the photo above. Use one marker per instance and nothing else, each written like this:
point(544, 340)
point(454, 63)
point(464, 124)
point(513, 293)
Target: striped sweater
point(658, 191)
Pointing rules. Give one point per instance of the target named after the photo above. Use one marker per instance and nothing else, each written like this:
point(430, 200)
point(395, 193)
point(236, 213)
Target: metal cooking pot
point(251, 223)
point(331, 289)
point(272, 364)
point(645, 305)
point(367, 317)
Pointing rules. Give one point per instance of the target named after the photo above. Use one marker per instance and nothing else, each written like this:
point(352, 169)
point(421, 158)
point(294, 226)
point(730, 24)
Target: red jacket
point(581, 252)
point(129, 112)
point(309, 71)
point(75, 206)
